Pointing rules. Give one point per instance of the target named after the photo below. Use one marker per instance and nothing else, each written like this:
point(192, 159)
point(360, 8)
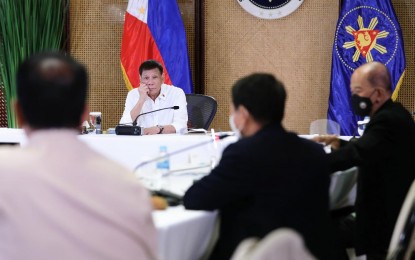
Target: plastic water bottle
point(164, 163)
point(162, 166)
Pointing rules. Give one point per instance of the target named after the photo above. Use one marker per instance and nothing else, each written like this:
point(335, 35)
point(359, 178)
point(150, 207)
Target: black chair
point(402, 245)
point(341, 188)
point(201, 110)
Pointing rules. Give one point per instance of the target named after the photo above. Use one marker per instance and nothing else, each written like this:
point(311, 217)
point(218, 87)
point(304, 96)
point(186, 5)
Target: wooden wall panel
point(405, 10)
point(96, 28)
point(296, 49)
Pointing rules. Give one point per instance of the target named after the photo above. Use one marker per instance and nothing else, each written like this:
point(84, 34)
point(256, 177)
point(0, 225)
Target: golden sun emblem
point(365, 40)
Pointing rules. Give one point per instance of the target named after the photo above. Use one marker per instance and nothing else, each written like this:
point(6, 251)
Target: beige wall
point(96, 28)
point(297, 49)
point(405, 10)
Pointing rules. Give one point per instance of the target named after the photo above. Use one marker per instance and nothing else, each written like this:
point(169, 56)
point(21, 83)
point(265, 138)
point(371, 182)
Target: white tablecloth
point(182, 234)
point(132, 150)
point(8, 135)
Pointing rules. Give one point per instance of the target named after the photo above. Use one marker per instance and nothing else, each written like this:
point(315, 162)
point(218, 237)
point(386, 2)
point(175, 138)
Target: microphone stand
point(186, 169)
point(126, 129)
point(220, 137)
point(135, 120)
point(354, 135)
point(174, 199)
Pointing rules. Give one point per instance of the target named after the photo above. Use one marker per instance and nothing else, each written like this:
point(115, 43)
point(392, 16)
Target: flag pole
point(199, 86)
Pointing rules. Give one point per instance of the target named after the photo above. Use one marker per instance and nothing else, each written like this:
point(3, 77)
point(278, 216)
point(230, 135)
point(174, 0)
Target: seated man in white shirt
point(153, 94)
point(59, 199)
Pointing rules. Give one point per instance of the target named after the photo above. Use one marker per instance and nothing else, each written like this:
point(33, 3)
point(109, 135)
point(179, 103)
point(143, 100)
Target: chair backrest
point(402, 244)
point(324, 126)
point(341, 187)
point(282, 244)
point(201, 110)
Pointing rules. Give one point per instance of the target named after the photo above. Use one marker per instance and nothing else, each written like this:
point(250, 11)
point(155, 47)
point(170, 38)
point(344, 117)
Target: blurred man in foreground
point(153, 94)
point(58, 198)
point(269, 179)
point(385, 157)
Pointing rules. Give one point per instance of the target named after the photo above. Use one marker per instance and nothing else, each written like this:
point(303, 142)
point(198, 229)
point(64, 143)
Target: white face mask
point(233, 126)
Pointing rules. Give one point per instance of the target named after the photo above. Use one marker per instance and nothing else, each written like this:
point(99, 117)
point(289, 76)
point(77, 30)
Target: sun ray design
point(383, 34)
point(348, 45)
point(356, 55)
point(373, 23)
point(380, 48)
point(360, 22)
point(369, 57)
point(350, 29)
point(365, 39)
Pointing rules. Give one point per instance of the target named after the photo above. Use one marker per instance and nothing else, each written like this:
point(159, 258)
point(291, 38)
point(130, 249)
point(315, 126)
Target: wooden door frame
point(199, 84)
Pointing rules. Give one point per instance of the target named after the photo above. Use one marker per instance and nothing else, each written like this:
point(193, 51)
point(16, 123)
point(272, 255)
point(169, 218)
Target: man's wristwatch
point(161, 129)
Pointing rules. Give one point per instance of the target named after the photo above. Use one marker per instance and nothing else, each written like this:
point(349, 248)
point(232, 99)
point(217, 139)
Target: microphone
point(174, 199)
point(135, 120)
point(219, 137)
point(125, 129)
point(362, 123)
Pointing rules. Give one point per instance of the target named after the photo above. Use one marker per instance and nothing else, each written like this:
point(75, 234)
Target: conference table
point(182, 234)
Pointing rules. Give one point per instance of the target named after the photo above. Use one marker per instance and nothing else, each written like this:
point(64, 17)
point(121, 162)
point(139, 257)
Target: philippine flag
point(153, 29)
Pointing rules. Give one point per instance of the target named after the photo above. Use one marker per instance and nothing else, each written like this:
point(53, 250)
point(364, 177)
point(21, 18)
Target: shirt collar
point(52, 135)
point(388, 103)
point(163, 92)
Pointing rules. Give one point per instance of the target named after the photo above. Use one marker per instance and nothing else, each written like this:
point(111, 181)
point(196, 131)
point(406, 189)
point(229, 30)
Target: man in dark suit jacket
point(385, 155)
point(269, 179)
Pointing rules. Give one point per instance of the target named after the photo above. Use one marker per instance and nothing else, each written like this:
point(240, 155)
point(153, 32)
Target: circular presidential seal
point(366, 34)
point(270, 9)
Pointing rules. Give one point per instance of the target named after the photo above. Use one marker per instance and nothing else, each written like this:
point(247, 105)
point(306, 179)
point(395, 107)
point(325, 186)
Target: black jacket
point(270, 180)
point(385, 155)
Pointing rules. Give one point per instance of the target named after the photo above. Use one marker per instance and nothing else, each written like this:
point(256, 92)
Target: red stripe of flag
point(137, 46)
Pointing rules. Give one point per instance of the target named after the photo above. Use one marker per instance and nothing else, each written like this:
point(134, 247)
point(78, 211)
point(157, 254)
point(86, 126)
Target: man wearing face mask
point(384, 155)
point(269, 179)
